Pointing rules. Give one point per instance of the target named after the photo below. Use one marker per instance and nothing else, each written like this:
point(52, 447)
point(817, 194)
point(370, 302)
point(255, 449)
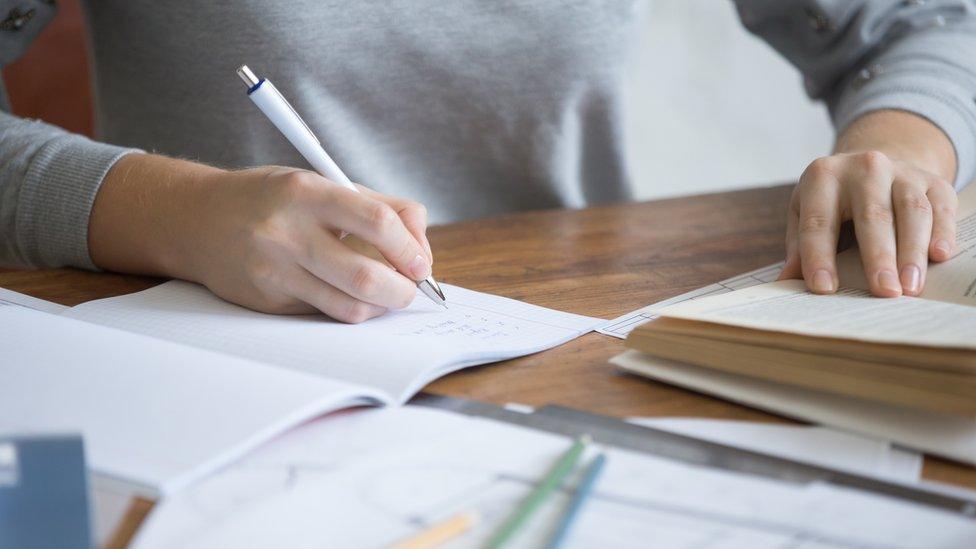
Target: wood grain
point(603, 262)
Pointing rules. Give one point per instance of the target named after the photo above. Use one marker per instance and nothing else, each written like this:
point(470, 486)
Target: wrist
point(904, 137)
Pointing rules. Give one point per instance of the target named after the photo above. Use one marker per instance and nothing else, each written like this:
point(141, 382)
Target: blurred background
point(713, 107)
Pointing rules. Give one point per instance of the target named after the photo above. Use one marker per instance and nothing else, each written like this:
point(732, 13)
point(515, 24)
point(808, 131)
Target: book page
point(786, 306)
point(954, 280)
point(154, 414)
point(397, 353)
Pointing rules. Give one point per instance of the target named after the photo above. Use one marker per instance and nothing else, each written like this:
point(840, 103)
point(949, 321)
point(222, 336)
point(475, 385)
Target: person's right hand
point(266, 238)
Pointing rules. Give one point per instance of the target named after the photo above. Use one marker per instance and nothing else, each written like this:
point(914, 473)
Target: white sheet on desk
point(625, 323)
point(372, 477)
point(109, 503)
point(812, 444)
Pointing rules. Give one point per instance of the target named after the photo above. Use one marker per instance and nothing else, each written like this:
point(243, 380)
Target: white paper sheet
point(373, 477)
point(944, 435)
point(621, 326)
point(810, 444)
point(397, 353)
point(152, 413)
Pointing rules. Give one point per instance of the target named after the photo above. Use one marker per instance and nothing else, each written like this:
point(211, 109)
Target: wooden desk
point(602, 262)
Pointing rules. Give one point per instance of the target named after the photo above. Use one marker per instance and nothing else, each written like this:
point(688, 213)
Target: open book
point(916, 352)
point(160, 414)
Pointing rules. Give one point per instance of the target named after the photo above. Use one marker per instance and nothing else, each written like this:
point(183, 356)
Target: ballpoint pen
point(274, 105)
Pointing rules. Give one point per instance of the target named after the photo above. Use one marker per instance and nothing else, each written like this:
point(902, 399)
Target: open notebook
point(159, 414)
point(396, 354)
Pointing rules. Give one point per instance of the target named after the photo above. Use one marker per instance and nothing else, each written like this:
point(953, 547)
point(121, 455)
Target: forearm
point(901, 136)
point(146, 214)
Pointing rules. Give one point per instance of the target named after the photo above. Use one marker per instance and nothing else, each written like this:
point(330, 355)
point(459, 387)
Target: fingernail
point(911, 279)
point(889, 282)
point(419, 268)
point(823, 282)
point(942, 246)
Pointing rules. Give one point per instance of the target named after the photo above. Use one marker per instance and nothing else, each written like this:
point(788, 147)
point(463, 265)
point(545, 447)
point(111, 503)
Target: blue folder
point(44, 493)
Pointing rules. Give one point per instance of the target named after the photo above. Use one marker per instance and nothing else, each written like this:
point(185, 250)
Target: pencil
point(582, 494)
point(440, 532)
point(563, 466)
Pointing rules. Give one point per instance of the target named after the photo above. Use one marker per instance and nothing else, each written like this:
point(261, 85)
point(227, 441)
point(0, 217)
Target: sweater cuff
point(941, 100)
point(56, 199)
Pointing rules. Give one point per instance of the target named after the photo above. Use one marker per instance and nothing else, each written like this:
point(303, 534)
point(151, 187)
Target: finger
point(791, 268)
point(328, 299)
point(913, 219)
point(360, 277)
point(871, 209)
point(377, 223)
point(413, 214)
point(817, 230)
point(944, 202)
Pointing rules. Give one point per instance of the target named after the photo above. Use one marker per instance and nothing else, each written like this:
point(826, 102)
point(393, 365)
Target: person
point(471, 108)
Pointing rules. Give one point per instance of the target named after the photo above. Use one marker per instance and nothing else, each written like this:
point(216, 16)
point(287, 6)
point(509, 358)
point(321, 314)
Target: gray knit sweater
point(473, 107)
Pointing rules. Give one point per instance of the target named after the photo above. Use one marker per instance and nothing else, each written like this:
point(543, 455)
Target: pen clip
point(294, 112)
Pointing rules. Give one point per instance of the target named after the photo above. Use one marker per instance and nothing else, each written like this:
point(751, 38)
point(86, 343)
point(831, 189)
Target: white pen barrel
point(274, 106)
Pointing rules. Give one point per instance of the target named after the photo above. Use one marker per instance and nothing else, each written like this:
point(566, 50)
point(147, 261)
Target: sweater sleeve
point(868, 55)
point(48, 176)
point(48, 182)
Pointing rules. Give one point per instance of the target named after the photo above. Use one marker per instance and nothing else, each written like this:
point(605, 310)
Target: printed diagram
point(635, 506)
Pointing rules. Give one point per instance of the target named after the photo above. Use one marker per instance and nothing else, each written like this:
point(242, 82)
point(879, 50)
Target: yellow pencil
point(440, 532)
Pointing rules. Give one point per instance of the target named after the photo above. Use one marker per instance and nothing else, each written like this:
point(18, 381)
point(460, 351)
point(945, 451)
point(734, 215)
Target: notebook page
point(786, 306)
point(396, 353)
point(154, 414)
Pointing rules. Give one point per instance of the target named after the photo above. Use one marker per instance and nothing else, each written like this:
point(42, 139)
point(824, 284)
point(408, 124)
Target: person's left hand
point(890, 176)
point(903, 217)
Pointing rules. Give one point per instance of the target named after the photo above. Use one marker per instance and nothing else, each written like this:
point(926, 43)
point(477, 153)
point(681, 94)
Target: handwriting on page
point(467, 324)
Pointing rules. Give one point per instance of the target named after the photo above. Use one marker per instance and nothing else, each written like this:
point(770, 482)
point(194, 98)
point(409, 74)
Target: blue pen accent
point(582, 494)
point(255, 87)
